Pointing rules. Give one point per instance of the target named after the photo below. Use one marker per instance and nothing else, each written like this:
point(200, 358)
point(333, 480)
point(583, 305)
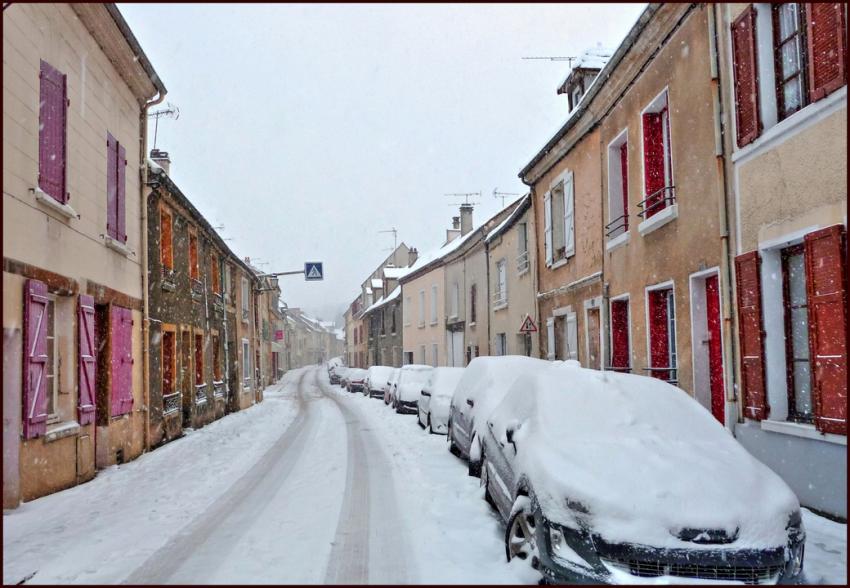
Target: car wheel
point(520, 536)
point(485, 481)
point(453, 448)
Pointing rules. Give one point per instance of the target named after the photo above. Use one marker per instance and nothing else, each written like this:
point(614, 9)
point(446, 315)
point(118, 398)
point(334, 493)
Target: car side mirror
point(470, 402)
point(509, 433)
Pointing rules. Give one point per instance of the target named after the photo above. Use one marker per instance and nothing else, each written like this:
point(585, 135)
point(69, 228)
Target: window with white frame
point(522, 247)
point(246, 299)
point(51, 365)
point(501, 344)
point(246, 364)
point(500, 293)
point(435, 353)
point(434, 304)
point(657, 158)
point(407, 311)
point(422, 359)
point(455, 302)
point(559, 219)
point(422, 308)
point(618, 186)
point(661, 316)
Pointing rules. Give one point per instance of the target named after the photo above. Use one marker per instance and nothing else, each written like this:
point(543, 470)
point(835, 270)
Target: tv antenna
point(170, 111)
point(497, 194)
point(569, 60)
point(395, 237)
point(466, 196)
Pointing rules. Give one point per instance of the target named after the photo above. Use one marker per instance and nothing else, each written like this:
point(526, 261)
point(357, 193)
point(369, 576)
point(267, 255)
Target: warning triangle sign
point(314, 273)
point(528, 325)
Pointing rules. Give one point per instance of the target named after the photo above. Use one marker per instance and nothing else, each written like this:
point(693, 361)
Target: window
point(559, 226)
point(662, 334)
point(406, 312)
point(229, 293)
point(570, 344)
point(116, 189)
point(618, 186)
point(434, 304)
point(199, 359)
point(393, 313)
point(166, 249)
point(52, 131)
point(501, 344)
point(657, 164)
point(422, 308)
point(472, 306)
point(194, 269)
point(422, 358)
point(215, 266)
point(797, 361)
point(246, 300)
point(51, 365)
point(455, 300)
point(169, 362)
point(408, 357)
point(524, 343)
point(522, 247)
point(246, 364)
point(500, 295)
point(576, 95)
point(619, 317)
point(216, 349)
point(789, 58)
point(434, 355)
point(745, 68)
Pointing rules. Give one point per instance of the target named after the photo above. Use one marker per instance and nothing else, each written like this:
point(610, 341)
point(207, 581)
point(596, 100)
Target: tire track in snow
point(238, 506)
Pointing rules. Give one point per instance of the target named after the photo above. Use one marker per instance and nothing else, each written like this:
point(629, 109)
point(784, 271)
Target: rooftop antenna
point(395, 237)
point(497, 194)
point(569, 60)
point(466, 196)
point(170, 111)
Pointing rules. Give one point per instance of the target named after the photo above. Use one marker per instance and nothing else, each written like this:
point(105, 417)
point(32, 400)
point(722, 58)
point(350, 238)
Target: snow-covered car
point(484, 383)
point(391, 385)
point(334, 373)
point(410, 381)
point(355, 380)
point(618, 478)
point(377, 381)
point(436, 396)
point(343, 375)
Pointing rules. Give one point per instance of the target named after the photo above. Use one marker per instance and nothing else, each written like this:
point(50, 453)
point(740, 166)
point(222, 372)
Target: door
point(715, 349)
point(659, 344)
point(186, 375)
point(593, 347)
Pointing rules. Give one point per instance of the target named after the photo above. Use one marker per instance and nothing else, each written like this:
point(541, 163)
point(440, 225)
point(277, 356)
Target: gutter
point(122, 25)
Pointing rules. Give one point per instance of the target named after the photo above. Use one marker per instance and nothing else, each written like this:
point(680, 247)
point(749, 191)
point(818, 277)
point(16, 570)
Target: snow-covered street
point(314, 485)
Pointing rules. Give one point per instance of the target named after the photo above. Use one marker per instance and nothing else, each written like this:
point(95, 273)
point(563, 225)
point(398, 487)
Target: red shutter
point(35, 359)
point(744, 60)
point(87, 371)
point(620, 334)
point(659, 345)
point(827, 47)
point(624, 170)
point(121, 200)
point(121, 331)
point(653, 161)
point(52, 116)
point(827, 299)
point(751, 335)
point(111, 186)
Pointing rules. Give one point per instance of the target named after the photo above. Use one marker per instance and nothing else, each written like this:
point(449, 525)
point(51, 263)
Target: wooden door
point(593, 347)
point(715, 349)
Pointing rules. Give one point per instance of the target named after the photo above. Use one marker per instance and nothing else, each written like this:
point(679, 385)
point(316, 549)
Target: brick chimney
point(465, 218)
point(412, 256)
point(162, 159)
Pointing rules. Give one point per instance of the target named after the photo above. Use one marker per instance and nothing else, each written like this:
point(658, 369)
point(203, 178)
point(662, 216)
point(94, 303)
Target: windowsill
point(558, 264)
point(168, 286)
point(617, 241)
point(117, 246)
point(472, 324)
point(61, 430)
point(659, 219)
point(501, 306)
point(433, 323)
point(804, 430)
point(522, 272)
point(54, 205)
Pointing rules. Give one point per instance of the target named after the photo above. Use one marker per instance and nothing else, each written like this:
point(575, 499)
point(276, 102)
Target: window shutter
point(121, 331)
point(87, 368)
point(52, 116)
point(744, 60)
point(35, 359)
point(572, 337)
point(569, 217)
point(827, 48)
point(659, 343)
point(121, 200)
point(620, 334)
point(550, 338)
point(624, 170)
point(547, 226)
point(751, 335)
point(827, 299)
point(111, 186)
point(653, 160)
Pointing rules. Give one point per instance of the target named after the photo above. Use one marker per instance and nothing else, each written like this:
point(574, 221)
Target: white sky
point(305, 129)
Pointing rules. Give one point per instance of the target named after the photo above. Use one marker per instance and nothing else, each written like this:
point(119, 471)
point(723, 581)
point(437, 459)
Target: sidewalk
point(826, 550)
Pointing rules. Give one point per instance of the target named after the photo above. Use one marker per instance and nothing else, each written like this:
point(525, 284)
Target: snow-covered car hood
point(642, 458)
point(409, 391)
point(439, 409)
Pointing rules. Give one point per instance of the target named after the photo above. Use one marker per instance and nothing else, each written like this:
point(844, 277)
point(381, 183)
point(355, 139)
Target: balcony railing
point(218, 389)
point(621, 369)
point(657, 201)
point(522, 262)
point(617, 226)
point(171, 403)
point(671, 372)
point(200, 393)
point(500, 298)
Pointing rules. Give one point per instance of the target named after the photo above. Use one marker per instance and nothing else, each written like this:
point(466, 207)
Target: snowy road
point(314, 485)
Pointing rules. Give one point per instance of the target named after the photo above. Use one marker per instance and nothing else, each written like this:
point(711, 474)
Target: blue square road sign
point(313, 271)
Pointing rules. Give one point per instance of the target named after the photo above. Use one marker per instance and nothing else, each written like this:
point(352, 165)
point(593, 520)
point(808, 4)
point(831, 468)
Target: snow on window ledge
point(50, 202)
point(61, 431)
point(617, 241)
point(804, 430)
point(117, 246)
point(659, 219)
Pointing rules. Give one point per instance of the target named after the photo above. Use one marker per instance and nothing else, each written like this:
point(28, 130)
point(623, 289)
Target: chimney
point(465, 218)
point(161, 159)
point(451, 235)
point(455, 222)
point(412, 256)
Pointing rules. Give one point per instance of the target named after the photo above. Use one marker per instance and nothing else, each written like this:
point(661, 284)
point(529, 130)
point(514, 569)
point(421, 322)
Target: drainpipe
point(143, 204)
point(226, 346)
point(729, 324)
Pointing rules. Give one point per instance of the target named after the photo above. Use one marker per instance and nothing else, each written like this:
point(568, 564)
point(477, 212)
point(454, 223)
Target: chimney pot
point(162, 159)
point(412, 256)
point(455, 222)
point(465, 218)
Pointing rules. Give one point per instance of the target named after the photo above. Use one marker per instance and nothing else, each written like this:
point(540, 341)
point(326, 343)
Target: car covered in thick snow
point(392, 382)
point(411, 379)
point(618, 478)
point(484, 383)
point(355, 379)
point(335, 372)
point(436, 396)
point(377, 380)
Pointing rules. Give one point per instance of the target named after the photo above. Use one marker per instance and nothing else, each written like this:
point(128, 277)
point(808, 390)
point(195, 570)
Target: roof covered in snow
point(523, 205)
point(377, 283)
point(383, 300)
point(393, 273)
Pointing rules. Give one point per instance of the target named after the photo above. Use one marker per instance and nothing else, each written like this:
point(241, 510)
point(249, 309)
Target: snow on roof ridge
point(593, 58)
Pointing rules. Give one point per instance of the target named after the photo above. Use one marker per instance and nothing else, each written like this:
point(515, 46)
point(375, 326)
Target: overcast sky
point(305, 129)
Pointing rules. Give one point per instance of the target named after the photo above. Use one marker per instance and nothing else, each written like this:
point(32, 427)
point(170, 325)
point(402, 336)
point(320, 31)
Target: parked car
point(616, 478)
point(435, 398)
point(377, 380)
point(410, 381)
point(484, 383)
point(356, 379)
point(343, 376)
point(334, 373)
point(391, 385)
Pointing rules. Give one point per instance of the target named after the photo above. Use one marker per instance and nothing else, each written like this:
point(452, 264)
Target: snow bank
point(593, 438)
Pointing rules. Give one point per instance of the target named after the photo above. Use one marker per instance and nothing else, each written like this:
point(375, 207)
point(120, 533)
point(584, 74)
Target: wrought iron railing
point(672, 373)
point(218, 389)
point(621, 222)
point(522, 262)
point(171, 403)
point(660, 200)
point(200, 393)
point(622, 369)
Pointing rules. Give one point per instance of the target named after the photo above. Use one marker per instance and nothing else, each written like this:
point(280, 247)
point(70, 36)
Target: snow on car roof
point(443, 380)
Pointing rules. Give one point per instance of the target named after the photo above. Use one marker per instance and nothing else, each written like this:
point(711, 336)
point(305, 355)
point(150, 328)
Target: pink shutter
point(121, 330)
point(51, 135)
point(35, 359)
point(111, 186)
point(87, 364)
point(121, 200)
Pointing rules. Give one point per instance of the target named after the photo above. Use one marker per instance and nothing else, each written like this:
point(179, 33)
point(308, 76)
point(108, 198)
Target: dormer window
point(575, 96)
point(585, 69)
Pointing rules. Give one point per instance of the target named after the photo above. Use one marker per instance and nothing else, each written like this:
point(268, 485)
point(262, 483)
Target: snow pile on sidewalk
point(112, 524)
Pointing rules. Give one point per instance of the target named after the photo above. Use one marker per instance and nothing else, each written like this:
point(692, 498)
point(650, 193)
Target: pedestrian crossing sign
point(528, 325)
point(313, 271)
